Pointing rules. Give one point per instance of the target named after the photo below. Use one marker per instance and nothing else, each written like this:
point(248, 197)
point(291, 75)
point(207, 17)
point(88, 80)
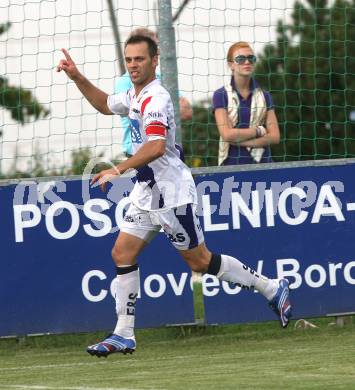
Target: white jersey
point(165, 182)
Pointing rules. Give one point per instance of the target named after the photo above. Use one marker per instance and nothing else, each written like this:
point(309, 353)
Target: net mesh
point(305, 59)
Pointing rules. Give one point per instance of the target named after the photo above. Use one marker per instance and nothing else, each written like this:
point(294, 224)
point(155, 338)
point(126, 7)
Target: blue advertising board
point(56, 238)
point(56, 267)
point(297, 223)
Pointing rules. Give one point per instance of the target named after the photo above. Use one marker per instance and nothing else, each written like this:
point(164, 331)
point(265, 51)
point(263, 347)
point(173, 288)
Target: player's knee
point(198, 266)
point(119, 256)
point(115, 255)
point(123, 257)
point(199, 261)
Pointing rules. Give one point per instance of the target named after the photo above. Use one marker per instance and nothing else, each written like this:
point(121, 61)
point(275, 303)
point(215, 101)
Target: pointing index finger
point(66, 54)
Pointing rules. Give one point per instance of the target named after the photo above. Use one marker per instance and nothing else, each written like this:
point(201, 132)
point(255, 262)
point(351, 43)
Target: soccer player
point(164, 195)
point(124, 83)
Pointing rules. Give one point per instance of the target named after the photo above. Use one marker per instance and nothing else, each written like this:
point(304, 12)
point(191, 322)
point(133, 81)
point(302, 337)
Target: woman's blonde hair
point(236, 46)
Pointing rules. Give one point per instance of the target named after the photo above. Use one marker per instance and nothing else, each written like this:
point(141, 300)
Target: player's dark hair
point(152, 46)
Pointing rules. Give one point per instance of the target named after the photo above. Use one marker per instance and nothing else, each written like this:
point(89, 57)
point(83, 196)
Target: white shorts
point(180, 224)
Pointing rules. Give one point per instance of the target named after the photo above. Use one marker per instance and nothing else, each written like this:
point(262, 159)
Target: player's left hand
point(105, 176)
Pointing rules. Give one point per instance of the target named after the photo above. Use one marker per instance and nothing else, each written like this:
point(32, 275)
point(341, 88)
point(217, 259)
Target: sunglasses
point(243, 59)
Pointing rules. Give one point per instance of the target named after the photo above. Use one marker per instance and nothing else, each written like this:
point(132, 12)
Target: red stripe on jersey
point(145, 102)
point(156, 128)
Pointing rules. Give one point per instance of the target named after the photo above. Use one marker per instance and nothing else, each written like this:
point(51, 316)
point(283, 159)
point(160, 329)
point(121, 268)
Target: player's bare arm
point(146, 154)
point(94, 95)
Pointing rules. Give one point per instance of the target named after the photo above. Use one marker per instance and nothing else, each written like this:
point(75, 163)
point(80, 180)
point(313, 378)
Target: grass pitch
point(259, 356)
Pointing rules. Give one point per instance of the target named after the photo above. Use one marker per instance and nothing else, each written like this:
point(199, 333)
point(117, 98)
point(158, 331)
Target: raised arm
point(94, 95)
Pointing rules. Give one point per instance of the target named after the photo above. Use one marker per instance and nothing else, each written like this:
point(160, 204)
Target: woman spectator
point(244, 113)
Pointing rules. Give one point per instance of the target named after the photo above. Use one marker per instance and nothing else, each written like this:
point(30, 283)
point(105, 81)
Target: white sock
point(127, 287)
point(232, 270)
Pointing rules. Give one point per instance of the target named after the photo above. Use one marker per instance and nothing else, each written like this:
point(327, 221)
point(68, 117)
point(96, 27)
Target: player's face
point(245, 67)
point(141, 67)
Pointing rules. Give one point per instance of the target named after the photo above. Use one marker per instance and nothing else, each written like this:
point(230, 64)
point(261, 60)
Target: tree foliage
point(20, 102)
point(77, 165)
point(310, 74)
point(200, 137)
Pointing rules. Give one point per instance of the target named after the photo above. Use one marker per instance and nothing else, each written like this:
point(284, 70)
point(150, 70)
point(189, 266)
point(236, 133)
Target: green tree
point(79, 160)
point(81, 157)
point(310, 74)
point(200, 137)
point(18, 101)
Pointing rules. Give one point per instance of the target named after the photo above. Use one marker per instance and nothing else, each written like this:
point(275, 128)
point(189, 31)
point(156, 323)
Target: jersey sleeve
point(119, 103)
point(268, 100)
point(155, 117)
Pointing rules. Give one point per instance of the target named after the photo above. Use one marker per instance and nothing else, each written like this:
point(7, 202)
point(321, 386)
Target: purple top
point(240, 154)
